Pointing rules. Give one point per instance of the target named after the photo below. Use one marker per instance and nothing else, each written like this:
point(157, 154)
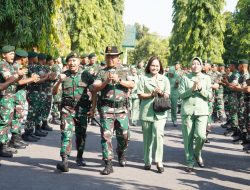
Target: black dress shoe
point(147, 167)
point(200, 162)
point(160, 169)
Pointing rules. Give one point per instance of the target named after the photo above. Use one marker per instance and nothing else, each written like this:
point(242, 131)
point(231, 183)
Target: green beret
point(49, 57)
point(85, 55)
point(243, 61)
point(92, 55)
point(103, 63)
point(32, 54)
point(177, 62)
point(233, 62)
point(221, 64)
point(42, 56)
point(72, 54)
point(21, 53)
point(7, 49)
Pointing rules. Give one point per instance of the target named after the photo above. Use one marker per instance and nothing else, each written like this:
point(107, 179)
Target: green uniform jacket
point(146, 85)
point(195, 102)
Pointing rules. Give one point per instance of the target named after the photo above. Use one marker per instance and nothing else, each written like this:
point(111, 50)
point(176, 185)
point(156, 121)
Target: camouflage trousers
point(219, 104)
point(20, 100)
point(111, 123)
point(226, 106)
point(247, 116)
point(6, 115)
point(46, 105)
point(241, 113)
point(55, 109)
point(34, 116)
point(70, 118)
point(233, 109)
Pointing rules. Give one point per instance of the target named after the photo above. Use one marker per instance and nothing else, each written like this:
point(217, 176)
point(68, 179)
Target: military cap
point(177, 62)
point(42, 56)
point(227, 65)
point(233, 62)
point(198, 59)
point(92, 55)
point(112, 50)
point(7, 49)
point(221, 64)
point(49, 57)
point(243, 61)
point(72, 54)
point(21, 53)
point(32, 54)
point(84, 55)
point(103, 63)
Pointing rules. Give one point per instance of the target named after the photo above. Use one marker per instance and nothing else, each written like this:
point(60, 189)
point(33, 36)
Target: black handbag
point(161, 104)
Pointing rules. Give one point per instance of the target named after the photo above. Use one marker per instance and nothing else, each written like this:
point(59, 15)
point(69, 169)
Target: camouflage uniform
point(233, 100)
point(20, 101)
point(75, 105)
point(35, 97)
point(226, 93)
point(7, 101)
point(112, 106)
point(247, 114)
point(219, 102)
point(55, 110)
point(241, 107)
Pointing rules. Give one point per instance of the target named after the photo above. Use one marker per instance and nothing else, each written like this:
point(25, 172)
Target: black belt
point(113, 104)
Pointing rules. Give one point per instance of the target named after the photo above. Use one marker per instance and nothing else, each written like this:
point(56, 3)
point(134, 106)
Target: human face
point(73, 64)
point(133, 71)
point(92, 60)
point(85, 60)
point(196, 66)
point(25, 61)
point(177, 66)
point(9, 57)
point(112, 60)
point(154, 68)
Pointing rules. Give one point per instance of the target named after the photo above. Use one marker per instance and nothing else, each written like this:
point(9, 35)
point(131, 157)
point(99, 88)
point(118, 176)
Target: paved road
point(227, 166)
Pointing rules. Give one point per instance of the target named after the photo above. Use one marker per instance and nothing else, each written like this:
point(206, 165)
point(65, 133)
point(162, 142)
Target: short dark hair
point(150, 61)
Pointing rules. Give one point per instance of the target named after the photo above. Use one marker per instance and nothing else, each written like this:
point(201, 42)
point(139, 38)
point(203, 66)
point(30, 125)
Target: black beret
point(72, 54)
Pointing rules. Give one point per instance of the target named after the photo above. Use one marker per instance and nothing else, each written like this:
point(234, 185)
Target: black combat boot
point(229, 132)
point(108, 168)
point(79, 160)
point(4, 151)
point(121, 158)
point(39, 132)
point(15, 142)
point(29, 137)
point(46, 127)
point(55, 121)
point(20, 140)
point(64, 165)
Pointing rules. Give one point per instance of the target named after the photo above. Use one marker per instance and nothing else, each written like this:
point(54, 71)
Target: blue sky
point(156, 14)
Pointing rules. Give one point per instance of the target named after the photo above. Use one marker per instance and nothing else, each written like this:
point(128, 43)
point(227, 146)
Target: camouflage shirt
point(74, 87)
point(7, 70)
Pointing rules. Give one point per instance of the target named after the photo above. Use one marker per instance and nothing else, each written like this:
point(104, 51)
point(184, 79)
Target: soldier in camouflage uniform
point(244, 75)
point(74, 109)
point(21, 62)
point(47, 94)
point(113, 84)
point(7, 97)
point(233, 99)
point(214, 85)
point(35, 98)
point(246, 91)
point(55, 110)
point(84, 61)
point(218, 95)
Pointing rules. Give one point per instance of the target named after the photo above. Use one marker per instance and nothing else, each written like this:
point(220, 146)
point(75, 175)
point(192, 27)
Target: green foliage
point(237, 34)
point(198, 30)
point(58, 26)
point(147, 46)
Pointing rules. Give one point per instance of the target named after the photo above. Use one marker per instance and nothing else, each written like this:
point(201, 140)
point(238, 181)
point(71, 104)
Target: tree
point(198, 30)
